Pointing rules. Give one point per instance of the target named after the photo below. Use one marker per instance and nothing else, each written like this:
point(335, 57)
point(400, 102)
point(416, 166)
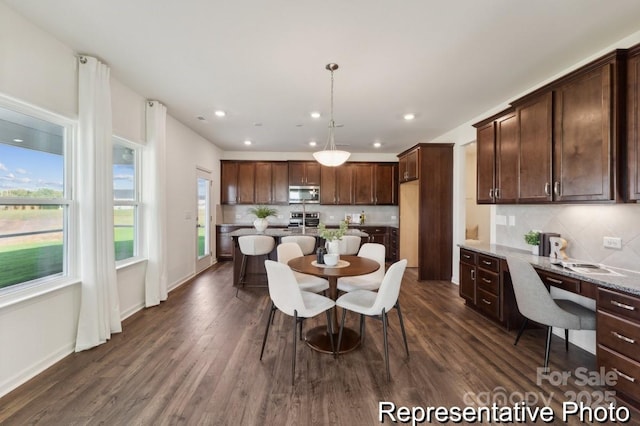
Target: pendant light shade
point(331, 156)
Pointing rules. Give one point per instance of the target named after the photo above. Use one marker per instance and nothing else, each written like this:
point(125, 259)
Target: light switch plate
point(612, 242)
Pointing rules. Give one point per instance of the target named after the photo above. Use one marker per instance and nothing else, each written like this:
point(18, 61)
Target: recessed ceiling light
point(18, 140)
point(377, 144)
point(312, 143)
point(220, 113)
point(247, 142)
point(315, 114)
point(257, 124)
point(299, 125)
point(409, 116)
point(201, 118)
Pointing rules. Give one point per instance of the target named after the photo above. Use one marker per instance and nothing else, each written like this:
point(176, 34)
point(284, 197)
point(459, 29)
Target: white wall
point(37, 69)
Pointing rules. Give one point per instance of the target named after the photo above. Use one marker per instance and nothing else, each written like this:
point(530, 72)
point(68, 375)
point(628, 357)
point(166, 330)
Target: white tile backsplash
point(583, 227)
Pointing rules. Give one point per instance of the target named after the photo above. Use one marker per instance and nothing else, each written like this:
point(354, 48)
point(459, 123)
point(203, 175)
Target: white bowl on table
point(331, 259)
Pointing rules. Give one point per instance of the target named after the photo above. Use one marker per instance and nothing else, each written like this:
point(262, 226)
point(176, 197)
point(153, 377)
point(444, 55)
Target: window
point(35, 196)
point(125, 198)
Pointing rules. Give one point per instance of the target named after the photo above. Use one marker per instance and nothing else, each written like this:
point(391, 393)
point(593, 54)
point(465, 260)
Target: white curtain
point(99, 306)
point(154, 202)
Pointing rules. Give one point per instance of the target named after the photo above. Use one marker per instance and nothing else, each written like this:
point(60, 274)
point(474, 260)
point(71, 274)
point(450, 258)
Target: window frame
point(136, 202)
point(70, 268)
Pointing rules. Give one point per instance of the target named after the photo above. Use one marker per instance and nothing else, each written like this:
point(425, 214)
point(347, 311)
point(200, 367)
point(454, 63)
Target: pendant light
point(331, 156)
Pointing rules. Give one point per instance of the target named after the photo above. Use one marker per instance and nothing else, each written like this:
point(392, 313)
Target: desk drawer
point(488, 262)
point(620, 304)
point(488, 303)
point(488, 281)
point(619, 334)
point(468, 256)
point(560, 281)
point(628, 370)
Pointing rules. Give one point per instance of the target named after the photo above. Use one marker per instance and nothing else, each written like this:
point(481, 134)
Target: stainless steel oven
point(311, 219)
point(306, 194)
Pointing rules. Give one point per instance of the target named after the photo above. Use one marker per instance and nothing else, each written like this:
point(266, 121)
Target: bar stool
point(253, 245)
point(307, 243)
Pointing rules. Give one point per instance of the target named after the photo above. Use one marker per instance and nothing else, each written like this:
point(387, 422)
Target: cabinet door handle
point(623, 338)
point(486, 262)
point(466, 256)
point(486, 280)
point(555, 281)
point(547, 189)
point(491, 193)
point(486, 301)
point(497, 192)
point(624, 376)
point(556, 188)
point(473, 275)
point(623, 305)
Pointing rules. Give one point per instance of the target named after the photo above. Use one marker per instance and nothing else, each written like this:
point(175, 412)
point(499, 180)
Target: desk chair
point(306, 242)
point(253, 245)
point(536, 304)
point(286, 297)
point(370, 303)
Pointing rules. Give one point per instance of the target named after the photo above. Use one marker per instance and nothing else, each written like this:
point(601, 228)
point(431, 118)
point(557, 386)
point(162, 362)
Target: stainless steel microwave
point(307, 194)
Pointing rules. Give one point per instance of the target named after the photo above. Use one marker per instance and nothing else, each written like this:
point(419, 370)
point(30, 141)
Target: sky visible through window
point(30, 169)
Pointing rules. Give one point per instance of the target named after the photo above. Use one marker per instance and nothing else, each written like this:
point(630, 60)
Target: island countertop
point(283, 232)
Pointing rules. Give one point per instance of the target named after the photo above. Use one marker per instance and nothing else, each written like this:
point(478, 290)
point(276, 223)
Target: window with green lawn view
point(34, 198)
point(125, 199)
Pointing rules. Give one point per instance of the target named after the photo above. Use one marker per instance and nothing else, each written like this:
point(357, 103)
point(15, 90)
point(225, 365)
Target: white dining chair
point(288, 251)
point(349, 244)
point(372, 281)
point(306, 242)
point(287, 297)
point(370, 303)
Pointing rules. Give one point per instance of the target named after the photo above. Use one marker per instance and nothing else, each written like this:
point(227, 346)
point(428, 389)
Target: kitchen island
point(255, 271)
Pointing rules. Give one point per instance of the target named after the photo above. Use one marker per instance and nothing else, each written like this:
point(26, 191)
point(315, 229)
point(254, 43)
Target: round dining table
point(348, 266)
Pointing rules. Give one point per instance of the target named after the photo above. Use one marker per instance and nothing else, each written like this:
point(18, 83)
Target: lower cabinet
point(480, 283)
point(224, 243)
point(618, 337)
point(385, 235)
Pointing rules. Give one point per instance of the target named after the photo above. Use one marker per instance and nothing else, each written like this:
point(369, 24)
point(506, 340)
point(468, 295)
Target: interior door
point(203, 220)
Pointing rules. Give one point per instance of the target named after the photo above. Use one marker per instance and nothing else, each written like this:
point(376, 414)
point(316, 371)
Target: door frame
point(205, 261)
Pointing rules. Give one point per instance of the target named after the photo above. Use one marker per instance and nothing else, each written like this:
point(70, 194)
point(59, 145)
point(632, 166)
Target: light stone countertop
point(282, 232)
point(627, 281)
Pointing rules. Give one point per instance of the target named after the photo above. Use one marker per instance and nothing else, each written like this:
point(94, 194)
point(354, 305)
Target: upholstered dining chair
point(370, 281)
point(349, 244)
point(287, 297)
point(306, 242)
point(536, 304)
point(288, 251)
point(370, 303)
point(253, 245)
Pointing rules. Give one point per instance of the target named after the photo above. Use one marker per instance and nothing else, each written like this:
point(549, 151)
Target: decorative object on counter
point(262, 213)
point(330, 156)
point(545, 244)
point(533, 239)
point(331, 259)
point(558, 246)
point(362, 218)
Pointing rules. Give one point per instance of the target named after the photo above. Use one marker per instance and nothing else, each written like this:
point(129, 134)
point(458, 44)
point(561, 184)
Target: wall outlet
point(501, 219)
point(512, 221)
point(612, 242)
point(394, 217)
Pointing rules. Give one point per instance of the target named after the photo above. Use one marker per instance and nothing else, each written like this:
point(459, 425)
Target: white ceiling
point(264, 61)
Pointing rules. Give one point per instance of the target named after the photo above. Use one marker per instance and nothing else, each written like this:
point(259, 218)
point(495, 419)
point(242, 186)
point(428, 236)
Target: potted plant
point(332, 236)
point(262, 213)
point(533, 239)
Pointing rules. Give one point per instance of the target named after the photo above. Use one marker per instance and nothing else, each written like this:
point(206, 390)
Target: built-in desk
point(485, 284)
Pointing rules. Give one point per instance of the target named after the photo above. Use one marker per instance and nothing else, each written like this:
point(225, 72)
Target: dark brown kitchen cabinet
point(224, 243)
point(633, 125)
point(585, 135)
point(385, 183)
point(408, 166)
point(304, 173)
point(467, 287)
point(535, 149)
point(336, 184)
point(237, 182)
point(271, 182)
point(363, 174)
point(497, 159)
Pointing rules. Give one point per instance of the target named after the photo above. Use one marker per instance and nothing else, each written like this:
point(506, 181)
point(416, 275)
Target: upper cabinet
point(251, 182)
point(336, 184)
point(633, 125)
point(408, 165)
point(304, 173)
point(497, 158)
point(562, 142)
point(375, 183)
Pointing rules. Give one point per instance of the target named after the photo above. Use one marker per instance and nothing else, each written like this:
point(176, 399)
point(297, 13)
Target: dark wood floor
point(194, 360)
